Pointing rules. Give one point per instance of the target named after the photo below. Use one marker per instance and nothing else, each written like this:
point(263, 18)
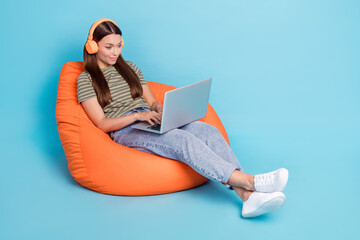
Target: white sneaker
point(271, 182)
point(260, 203)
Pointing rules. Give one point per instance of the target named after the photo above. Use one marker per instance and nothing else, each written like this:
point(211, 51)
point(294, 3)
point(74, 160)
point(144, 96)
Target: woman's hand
point(149, 117)
point(157, 107)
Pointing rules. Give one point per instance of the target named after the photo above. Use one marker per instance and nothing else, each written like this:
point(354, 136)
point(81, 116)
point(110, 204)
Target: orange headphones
point(90, 45)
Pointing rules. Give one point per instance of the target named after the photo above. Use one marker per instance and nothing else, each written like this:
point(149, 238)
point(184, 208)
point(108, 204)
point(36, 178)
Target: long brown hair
point(98, 80)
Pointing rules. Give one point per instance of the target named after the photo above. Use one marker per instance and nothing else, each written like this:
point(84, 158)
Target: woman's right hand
point(149, 117)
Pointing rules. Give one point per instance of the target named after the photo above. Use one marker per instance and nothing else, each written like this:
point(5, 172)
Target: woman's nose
point(115, 51)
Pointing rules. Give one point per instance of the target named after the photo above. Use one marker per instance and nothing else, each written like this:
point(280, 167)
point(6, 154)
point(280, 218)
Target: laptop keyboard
point(156, 127)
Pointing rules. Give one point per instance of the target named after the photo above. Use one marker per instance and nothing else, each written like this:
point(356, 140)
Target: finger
point(155, 115)
point(149, 121)
point(156, 119)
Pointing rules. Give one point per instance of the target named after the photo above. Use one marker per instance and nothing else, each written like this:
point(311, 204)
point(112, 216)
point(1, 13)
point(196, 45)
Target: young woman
point(115, 95)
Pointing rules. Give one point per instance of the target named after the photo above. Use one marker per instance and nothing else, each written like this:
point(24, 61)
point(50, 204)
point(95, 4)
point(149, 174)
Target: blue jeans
point(197, 144)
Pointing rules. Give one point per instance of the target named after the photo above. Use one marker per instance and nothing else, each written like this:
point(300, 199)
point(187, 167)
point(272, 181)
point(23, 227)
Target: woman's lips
point(114, 59)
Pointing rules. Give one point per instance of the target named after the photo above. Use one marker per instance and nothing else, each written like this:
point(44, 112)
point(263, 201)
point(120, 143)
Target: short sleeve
point(85, 89)
point(138, 72)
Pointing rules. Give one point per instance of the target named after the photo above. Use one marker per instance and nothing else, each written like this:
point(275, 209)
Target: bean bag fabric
point(100, 164)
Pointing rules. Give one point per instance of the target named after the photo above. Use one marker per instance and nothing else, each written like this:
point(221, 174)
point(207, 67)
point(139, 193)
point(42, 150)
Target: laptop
point(181, 106)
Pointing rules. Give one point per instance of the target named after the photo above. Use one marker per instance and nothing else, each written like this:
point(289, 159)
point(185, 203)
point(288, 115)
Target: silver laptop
point(181, 106)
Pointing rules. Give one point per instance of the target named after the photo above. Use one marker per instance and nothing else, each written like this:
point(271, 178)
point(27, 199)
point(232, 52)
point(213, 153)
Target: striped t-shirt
point(122, 102)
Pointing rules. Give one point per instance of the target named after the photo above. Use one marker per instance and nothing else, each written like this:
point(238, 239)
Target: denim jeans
point(197, 144)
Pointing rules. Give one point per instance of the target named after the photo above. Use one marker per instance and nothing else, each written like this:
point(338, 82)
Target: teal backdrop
point(286, 84)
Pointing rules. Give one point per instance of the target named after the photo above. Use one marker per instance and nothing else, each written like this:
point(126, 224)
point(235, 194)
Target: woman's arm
point(97, 116)
point(151, 100)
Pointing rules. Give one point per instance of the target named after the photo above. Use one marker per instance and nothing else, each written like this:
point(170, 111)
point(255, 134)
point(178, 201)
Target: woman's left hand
point(157, 107)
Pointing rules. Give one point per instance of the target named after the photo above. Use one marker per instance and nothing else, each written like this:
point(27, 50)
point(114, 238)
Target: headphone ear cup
point(122, 43)
point(91, 47)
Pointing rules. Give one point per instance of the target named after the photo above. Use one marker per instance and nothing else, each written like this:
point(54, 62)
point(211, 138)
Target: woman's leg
point(242, 180)
point(183, 146)
point(242, 193)
point(212, 137)
point(179, 145)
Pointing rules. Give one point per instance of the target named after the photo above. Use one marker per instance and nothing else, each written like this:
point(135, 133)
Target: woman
point(115, 95)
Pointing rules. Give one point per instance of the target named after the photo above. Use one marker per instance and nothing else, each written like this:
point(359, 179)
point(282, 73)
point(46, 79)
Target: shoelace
point(265, 179)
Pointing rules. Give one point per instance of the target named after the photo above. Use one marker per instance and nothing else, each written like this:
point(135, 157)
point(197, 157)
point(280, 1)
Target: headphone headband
point(97, 23)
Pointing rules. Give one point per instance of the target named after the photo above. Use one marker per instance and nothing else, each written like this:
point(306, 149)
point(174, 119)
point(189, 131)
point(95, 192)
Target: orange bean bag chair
point(100, 164)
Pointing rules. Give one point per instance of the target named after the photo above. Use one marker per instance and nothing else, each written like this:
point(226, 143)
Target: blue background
point(286, 83)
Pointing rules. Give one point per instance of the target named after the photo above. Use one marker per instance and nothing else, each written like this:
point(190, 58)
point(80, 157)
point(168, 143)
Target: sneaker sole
point(269, 206)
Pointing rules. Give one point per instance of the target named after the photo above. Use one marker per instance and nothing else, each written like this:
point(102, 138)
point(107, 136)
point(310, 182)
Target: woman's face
point(109, 50)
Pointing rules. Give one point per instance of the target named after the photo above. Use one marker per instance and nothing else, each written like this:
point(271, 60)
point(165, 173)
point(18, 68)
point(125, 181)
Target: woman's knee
point(209, 130)
point(202, 127)
point(176, 135)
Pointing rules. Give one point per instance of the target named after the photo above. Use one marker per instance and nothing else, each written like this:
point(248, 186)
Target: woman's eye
point(108, 47)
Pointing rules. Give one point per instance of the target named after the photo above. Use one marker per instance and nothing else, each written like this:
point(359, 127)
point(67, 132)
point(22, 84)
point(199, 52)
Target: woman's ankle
point(251, 183)
point(242, 180)
point(242, 193)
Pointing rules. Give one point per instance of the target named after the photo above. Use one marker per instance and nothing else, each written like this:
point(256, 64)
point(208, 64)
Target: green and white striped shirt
point(120, 91)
